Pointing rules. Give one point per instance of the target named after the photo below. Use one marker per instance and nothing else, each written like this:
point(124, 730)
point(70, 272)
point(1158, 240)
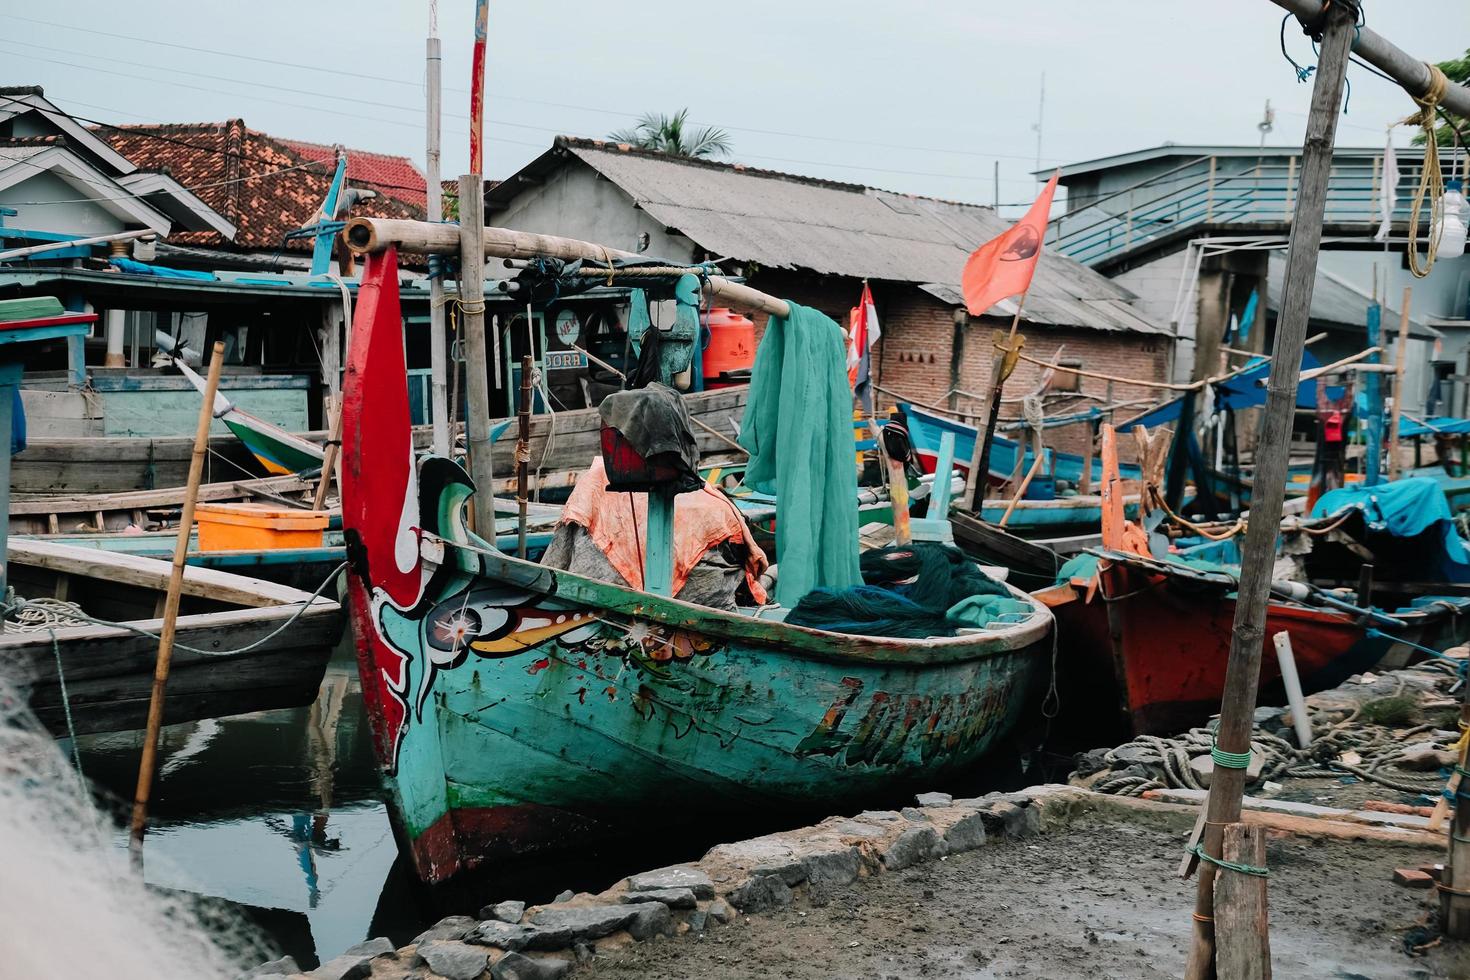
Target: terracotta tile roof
point(265, 186)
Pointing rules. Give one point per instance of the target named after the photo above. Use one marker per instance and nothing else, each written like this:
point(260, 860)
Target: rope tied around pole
point(1230, 760)
point(1246, 869)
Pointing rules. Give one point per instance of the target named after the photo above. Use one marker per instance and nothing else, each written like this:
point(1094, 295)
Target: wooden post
point(1398, 385)
point(1244, 942)
point(331, 452)
point(1454, 898)
point(658, 547)
point(1373, 393)
point(438, 340)
point(976, 482)
point(943, 474)
point(1242, 672)
point(523, 455)
point(171, 609)
point(477, 378)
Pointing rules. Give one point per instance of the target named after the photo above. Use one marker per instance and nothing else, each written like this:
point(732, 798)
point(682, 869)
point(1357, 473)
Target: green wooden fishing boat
point(519, 709)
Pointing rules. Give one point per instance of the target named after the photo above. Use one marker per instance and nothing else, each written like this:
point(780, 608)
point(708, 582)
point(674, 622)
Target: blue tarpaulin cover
point(161, 271)
point(1241, 391)
point(1405, 509)
point(1427, 427)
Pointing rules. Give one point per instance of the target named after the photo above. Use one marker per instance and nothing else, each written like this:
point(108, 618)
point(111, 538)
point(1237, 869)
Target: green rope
point(71, 728)
point(1245, 869)
point(1230, 760)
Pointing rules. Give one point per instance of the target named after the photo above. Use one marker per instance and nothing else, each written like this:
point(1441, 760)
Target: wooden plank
point(1242, 938)
point(151, 573)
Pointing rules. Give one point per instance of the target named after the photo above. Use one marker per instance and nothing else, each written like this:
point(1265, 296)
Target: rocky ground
point(1100, 899)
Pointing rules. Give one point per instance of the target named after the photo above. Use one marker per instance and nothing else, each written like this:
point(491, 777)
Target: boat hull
point(583, 729)
point(1161, 647)
point(519, 709)
point(926, 429)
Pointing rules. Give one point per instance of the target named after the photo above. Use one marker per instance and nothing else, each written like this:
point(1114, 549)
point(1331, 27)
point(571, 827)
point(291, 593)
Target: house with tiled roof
point(267, 186)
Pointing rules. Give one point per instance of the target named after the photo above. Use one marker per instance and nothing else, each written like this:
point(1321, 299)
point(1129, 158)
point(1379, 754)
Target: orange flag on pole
point(1003, 266)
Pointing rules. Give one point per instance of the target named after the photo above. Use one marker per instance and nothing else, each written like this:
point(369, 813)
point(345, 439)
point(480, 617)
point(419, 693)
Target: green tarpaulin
point(798, 429)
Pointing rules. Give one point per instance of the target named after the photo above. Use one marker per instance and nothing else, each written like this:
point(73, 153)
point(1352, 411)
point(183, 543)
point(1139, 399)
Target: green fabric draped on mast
point(798, 430)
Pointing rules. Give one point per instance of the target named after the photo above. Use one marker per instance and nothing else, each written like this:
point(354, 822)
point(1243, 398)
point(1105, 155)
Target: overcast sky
point(920, 96)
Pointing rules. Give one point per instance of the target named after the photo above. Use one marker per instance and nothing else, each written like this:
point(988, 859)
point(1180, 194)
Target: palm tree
point(671, 134)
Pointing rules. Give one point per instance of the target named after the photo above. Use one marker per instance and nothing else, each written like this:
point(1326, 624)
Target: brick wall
point(914, 359)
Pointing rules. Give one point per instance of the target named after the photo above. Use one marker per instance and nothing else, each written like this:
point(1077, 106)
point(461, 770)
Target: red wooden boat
point(1157, 633)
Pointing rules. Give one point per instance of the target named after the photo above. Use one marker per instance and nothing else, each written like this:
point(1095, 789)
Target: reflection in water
point(278, 813)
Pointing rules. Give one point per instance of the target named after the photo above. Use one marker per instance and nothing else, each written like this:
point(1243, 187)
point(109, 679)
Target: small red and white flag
point(862, 333)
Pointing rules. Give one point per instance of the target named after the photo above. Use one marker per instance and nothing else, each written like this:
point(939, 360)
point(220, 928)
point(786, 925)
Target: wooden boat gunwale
point(799, 641)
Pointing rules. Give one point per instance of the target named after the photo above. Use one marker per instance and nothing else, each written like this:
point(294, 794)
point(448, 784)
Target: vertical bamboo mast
point(1242, 673)
point(438, 342)
point(1398, 385)
point(477, 377)
point(472, 291)
point(146, 764)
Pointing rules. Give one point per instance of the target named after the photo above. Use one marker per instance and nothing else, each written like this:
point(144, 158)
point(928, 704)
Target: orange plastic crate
point(258, 527)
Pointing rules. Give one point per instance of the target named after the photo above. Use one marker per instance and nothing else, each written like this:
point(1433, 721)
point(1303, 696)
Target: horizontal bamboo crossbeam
point(437, 238)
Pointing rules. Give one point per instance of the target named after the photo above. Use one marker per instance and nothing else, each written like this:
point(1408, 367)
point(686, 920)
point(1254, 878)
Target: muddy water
point(279, 817)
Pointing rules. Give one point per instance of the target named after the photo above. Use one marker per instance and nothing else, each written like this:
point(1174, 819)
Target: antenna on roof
point(1040, 115)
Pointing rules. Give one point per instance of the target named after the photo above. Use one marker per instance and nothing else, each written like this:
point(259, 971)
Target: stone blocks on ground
point(502, 935)
point(452, 927)
point(650, 919)
point(557, 927)
point(934, 799)
point(518, 966)
point(507, 911)
point(674, 898)
point(454, 960)
point(761, 893)
point(760, 856)
point(676, 877)
point(914, 846)
point(283, 967)
point(354, 963)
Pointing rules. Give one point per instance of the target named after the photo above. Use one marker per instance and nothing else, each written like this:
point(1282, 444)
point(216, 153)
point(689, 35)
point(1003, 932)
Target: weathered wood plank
point(151, 573)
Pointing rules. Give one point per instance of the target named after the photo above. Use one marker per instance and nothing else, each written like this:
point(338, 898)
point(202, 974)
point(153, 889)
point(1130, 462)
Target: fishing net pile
point(914, 591)
point(1395, 732)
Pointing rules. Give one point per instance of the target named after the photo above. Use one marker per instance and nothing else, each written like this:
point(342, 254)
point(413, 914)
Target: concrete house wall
point(577, 202)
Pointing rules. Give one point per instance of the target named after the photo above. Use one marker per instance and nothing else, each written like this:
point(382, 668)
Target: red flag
point(1003, 266)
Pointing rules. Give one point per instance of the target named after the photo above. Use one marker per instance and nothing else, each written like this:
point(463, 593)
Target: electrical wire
point(622, 113)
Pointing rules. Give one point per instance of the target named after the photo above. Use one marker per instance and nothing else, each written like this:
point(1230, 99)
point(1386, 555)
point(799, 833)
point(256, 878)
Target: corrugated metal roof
point(788, 222)
point(1337, 302)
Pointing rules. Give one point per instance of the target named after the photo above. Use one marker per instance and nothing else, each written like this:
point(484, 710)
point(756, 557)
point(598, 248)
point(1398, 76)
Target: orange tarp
point(618, 524)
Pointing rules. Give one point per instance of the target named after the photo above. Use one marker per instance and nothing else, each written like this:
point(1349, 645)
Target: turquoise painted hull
point(519, 709)
point(581, 725)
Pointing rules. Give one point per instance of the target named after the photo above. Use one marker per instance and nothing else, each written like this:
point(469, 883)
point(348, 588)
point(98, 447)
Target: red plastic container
point(731, 351)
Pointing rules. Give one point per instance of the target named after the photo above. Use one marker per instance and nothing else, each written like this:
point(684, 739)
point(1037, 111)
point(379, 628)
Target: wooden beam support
point(430, 238)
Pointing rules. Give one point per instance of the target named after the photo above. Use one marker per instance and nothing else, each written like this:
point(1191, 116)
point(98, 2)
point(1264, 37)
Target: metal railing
point(1220, 192)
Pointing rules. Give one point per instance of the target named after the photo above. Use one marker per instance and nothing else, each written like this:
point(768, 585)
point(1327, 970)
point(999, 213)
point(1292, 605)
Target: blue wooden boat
point(927, 428)
point(520, 709)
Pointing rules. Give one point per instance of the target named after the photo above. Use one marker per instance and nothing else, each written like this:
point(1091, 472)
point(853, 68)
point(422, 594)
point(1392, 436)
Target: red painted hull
point(1162, 647)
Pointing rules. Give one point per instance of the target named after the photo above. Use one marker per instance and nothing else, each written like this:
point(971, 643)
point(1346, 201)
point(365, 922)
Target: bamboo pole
point(1021, 490)
point(523, 453)
point(1242, 672)
point(1337, 365)
point(438, 340)
point(472, 308)
point(1398, 385)
point(427, 238)
point(330, 453)
point(161, 665)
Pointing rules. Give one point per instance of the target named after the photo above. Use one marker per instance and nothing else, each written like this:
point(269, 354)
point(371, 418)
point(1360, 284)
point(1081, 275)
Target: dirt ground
point(1098, 900)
